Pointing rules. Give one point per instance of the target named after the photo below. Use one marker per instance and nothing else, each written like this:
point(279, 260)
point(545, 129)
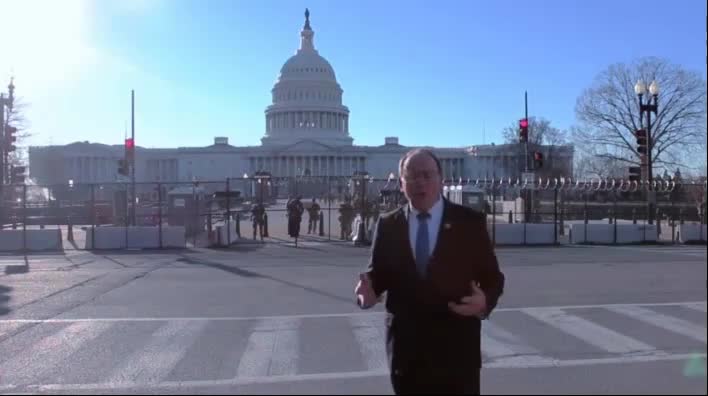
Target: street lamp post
point(647, 160)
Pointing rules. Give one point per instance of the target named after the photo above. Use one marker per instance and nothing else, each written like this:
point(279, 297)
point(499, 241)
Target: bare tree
point(609, 114)
point(16, 118)
point(589, 165)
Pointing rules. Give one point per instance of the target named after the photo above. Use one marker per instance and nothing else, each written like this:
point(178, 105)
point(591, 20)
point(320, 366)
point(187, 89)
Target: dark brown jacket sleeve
point(378, 262)
point(491, 278)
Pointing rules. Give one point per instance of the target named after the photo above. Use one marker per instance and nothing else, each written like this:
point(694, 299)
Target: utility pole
point(526, 117)
point(2, 138)
point(132, 165)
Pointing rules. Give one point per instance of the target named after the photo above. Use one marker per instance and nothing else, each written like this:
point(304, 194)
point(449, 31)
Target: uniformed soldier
point(295, 210)
point(258, 217)
point(346, 217)
point(314, 216)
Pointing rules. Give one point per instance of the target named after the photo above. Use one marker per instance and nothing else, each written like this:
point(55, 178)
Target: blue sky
point(449, 73)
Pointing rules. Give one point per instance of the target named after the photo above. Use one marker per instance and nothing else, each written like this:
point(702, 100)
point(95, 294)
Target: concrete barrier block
point(592, 233)
point(44, 240)
point(106, 238)
point(36, 240)
point(692, 233)
point(136, 237)
point(10, 240)
point(222, 233)
point(636, 233)
point(606, 234)
point(513, 234)
point(174, 237)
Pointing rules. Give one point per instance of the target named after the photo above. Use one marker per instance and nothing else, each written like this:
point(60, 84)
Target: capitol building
point(306, 133)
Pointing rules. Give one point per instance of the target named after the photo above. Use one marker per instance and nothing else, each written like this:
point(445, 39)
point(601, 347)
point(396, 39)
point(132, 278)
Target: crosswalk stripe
point(50, 351)
point(370, 334)
point(670, 323)
point(590, 332)
point(166, 347)
point(502, 347)
point(166, 387)
point(272, 349)
point(317, 315)
point(696, 306)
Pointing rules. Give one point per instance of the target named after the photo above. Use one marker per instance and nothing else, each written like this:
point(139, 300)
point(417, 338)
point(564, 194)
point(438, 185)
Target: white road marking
point(165, 386)
point(370, 334)
point(696, 306)
point(502, 347)
point(272, 349)
point(50, 351)
point(320, 316)
point(657, 319)
point(590, 332)
point(166, 347)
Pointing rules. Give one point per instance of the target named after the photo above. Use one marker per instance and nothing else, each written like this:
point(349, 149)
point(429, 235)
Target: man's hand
point(366, 297)
point(472, 305)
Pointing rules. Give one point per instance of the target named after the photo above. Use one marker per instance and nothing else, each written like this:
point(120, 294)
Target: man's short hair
point(413, 152)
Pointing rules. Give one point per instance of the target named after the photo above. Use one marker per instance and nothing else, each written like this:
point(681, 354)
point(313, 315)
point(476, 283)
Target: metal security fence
point(335, 209)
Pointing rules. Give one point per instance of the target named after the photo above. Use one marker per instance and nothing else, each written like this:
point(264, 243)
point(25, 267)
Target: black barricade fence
point(262, 207)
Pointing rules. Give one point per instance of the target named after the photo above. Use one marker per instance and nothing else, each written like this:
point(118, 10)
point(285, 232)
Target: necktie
point(422, 244)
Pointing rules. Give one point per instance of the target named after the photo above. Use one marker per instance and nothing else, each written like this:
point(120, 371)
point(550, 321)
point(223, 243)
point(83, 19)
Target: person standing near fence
point(314, 217)
point(295, 210)
point(436, 264)
point(258, 217)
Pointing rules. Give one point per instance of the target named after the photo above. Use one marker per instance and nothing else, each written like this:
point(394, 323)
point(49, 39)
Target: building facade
point(306, 133)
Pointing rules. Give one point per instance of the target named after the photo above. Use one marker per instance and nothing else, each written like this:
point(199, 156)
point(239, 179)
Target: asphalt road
point(279, 319)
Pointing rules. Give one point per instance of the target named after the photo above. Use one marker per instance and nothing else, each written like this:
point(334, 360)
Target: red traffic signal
point(129, 144)
point(538, 159)
point(523, 130)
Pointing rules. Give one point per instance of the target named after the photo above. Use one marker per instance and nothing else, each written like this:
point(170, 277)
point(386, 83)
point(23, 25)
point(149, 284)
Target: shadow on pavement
point(249, 274)
point(4, 298)
point(17, 269)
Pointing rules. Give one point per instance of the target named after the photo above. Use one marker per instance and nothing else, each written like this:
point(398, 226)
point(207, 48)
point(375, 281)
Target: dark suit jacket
point(423, 334)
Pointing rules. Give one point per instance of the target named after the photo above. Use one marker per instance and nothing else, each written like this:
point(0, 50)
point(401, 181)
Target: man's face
point(421, 181)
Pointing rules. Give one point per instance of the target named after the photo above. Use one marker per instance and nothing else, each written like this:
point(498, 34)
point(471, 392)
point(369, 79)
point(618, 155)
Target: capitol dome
point(306, 99)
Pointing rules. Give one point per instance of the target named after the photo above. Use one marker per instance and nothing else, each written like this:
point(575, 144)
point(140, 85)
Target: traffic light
point(10, 139)
point(538, 159)
point(17, 175)
point(129, 149)
point(641, 135)
point(523, 130)
point(123, 167)
point(635, 173)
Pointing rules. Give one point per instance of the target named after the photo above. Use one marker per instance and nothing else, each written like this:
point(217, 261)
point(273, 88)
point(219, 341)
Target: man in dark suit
point(435, 261)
